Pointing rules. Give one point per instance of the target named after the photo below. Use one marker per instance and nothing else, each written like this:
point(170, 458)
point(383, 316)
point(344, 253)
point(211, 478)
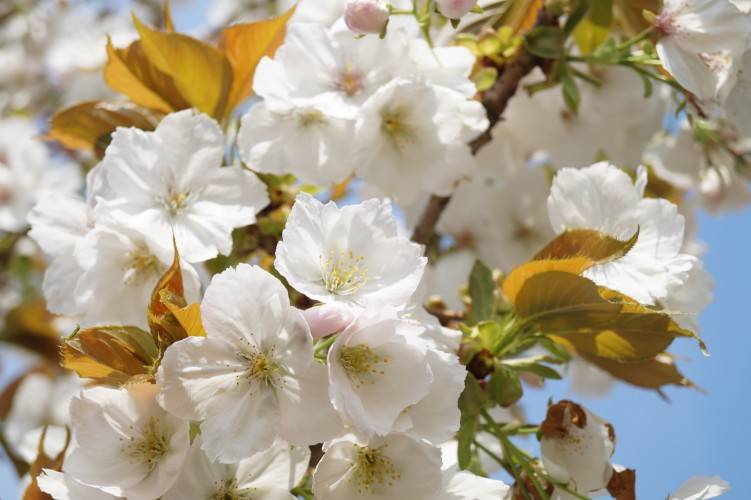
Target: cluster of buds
point(364, 17)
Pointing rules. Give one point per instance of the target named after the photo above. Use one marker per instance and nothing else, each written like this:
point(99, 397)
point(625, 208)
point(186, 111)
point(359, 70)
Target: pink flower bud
point(455, 9)
point(366, 16)
point(326, 319)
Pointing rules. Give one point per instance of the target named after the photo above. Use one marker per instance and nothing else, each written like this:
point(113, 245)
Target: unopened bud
point(455, 9)
point(366, 16)
point(327, 319)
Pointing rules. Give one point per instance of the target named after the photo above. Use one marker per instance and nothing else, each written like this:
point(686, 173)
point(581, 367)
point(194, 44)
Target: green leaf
point(471, 403)
point(607, 52)
point(556, 350)
point(472, 399)
point(505, 387)
point(533, 365)
point(489, 334)
point(647, 82)
point(580, 9)
point(465, 437)
point(485, 78)
point(546, 42)
point(570, 91)
point(482, 292)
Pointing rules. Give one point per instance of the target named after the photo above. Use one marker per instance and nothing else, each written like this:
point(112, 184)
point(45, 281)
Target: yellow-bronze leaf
point(112, 355)
point(594, 321)
point(594, 245)
point(653, 373)
point(245, 45)
point(200, 72)
point(130, 72)
point(516, 279)
point(189, 318)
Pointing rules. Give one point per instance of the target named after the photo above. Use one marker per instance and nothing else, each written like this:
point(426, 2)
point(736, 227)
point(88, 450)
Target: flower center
point(227, 490)
point(175, 202)
point(261, 367)
point(141, 265)
point(716, 61)
point(666, 24)
point(361, 363)
point(343, 273)
point(373, 470)
point(309, 117)
point(152, 446)
point(394, 124)
point(350, 81)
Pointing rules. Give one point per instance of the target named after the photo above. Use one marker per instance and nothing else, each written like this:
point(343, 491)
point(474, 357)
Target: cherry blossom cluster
point(405, 108)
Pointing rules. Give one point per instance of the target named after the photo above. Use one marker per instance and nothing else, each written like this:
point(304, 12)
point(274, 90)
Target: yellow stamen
point(374, 470)
point(141, 265)
point(152, 446)
point(309, 117)
point(361, 363)
point(394, 124)
point(343, 273)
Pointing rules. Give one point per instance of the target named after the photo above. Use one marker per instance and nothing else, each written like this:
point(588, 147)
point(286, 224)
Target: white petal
point(701, 488)
point(194, 370)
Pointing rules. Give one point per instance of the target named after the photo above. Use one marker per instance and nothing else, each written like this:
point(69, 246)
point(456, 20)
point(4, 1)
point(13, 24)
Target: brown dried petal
point(554, 425)
point(622, 485)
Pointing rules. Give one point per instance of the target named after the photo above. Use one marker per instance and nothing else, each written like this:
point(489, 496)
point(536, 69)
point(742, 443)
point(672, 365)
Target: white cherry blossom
point(413, 138)
point(701, 42)
point(395, 466)
point(253, 376)
point(576, 447)
point(368, 364)
point(170, 181)
point(124, 443)
point(304, 140)
point(353, 254)
point(118, 275)
point(267, 475)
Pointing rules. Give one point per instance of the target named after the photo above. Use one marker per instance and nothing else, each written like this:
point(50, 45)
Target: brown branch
point(426, 225)
point(497, 97)
point(495, 100)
